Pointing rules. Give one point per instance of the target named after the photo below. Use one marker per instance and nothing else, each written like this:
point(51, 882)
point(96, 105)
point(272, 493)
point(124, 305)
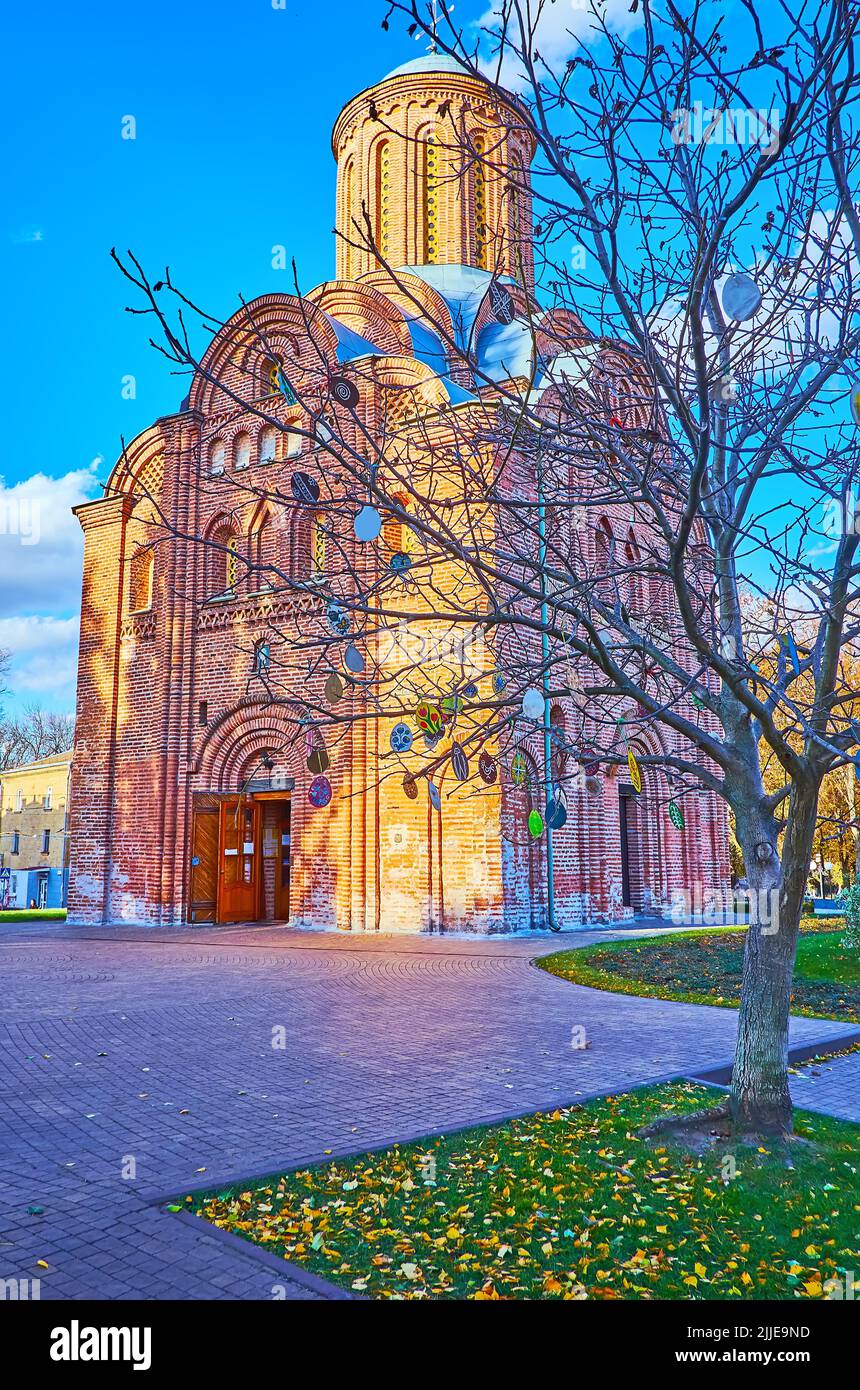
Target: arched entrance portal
point(241, 824)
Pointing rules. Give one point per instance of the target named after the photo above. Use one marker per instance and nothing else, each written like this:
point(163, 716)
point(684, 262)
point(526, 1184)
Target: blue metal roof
point(430, 62)
point(351, 344)
point(462, 287)
point(504, 350)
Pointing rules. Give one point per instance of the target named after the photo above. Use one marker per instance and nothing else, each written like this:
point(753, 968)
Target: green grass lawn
point(705, 968)
point(38, 914)
point(571, 1204)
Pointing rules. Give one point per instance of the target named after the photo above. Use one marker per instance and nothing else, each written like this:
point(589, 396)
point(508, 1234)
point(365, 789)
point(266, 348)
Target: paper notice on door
point(285, 839)
point(231, 851)
point(248, 847)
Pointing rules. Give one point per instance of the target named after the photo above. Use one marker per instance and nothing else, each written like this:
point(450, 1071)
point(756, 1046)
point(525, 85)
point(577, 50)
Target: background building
point(34, 804)
point(192, 782)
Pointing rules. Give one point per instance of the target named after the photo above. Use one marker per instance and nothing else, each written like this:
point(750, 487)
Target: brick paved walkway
point(156, 1048)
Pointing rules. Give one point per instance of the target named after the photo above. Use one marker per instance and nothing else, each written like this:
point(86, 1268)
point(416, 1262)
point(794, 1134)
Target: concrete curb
point(283, 1268)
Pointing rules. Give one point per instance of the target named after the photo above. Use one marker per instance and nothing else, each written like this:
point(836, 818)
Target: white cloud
point(41, 542)
point(44, 660)
point(560, 29)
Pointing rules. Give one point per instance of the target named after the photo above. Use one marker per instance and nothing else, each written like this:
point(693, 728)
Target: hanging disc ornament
point(556, 812)
point(428, 717)
point(318, 760)
point(400, 738)
point(333, 688)
point(535, 824)
point(518, 769)
point(319, 792)
point(741, 297)
point(305, 488)
point(635, 774)
point(400, 562)
point(502, 302)
point(353, 659)
point(368, 524)
point(435, 798)
point(410, 787)
point(533, 703)
point(676, 815)
point(855, 403)
point(460, 763)
point(488, 769)
point(344, 391)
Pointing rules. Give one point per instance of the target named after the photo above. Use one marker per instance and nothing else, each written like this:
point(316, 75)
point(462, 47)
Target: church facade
point(201, 788)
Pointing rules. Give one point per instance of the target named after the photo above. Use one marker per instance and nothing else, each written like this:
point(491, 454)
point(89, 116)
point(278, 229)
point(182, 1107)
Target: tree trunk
point(760, 1101)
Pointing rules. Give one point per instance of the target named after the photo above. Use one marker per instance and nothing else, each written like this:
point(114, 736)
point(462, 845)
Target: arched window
point(348, 206)
point(217, 456)
point(262, 658)
point(604, 553)
point(482, 253)
point(395, 533)
point(242, 449)
point(294, 443)
point(270, 381)
point(318, 547)
point(383, 196)
point(263, 554)
point(140, 580)
point(223, 562)
point(268, 444)
point(636, 580)
point(558, 745)
point(431, 197)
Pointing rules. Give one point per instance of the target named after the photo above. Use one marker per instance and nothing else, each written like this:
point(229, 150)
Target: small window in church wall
point(268, 444)
point(383, 197)
point(480, 197)
point(262, 658)
point(294, 444)
point(431, 198)
point(223, 563)
point(217, 456)
point(271, 382)
point(242, 450)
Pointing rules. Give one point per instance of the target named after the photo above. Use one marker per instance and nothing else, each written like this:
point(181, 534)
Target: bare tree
point(35, 734)
point(591, 523)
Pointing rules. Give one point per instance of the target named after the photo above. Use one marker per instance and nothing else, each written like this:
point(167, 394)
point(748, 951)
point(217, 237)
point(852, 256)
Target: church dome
point(430, 62)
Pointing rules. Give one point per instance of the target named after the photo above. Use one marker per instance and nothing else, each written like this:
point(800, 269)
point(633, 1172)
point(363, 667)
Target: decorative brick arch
point(253, 728)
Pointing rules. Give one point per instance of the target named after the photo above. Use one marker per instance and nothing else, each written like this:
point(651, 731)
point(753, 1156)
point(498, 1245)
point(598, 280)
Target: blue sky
point(234, 104)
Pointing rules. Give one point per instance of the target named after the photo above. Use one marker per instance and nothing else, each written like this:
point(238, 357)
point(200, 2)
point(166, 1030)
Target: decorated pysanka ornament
point(428, 717)
point(488, 768)
point(518, 768)
point(400, 738)
point(319, 792)
point(459, 763)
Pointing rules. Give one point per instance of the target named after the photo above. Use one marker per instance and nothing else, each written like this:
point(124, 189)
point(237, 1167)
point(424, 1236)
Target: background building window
point(48, 799)
point(16, 842)
point(46, 841)
point(19, 801)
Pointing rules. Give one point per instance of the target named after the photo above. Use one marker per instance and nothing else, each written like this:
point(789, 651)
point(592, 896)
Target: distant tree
point(37, 733)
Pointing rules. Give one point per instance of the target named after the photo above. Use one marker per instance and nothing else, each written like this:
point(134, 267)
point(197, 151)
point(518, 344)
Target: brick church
point(235, 756)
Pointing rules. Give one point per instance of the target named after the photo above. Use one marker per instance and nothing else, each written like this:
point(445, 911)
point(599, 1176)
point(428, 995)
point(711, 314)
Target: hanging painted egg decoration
point(428, 717)
point(696, 702)
point(556, 812)
point(499, 682)
point(590, 763)
point(460, 763)
point(318, 760)
point(344, 391)
point(741, 297)
point(305, 488)
point(368, 524)
point(533, 703)
point(400, 738)
point(519, 769)
point(635, 774)
point(435, 798)
point(400, 562)
point(470, 690)
point(855, 403)
point(319, 792)
point(488, 769)
point(535, 824)
point(338, 620)
point(449, 707)
point(410, 787)
point(353, 659)
point(333, 688)
point(676, 815)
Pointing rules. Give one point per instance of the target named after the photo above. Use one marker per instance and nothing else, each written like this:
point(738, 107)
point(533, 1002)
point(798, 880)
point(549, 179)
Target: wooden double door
point(237, 874)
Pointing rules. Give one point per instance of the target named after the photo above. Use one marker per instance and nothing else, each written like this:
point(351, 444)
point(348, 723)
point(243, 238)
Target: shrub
point(851, 898)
